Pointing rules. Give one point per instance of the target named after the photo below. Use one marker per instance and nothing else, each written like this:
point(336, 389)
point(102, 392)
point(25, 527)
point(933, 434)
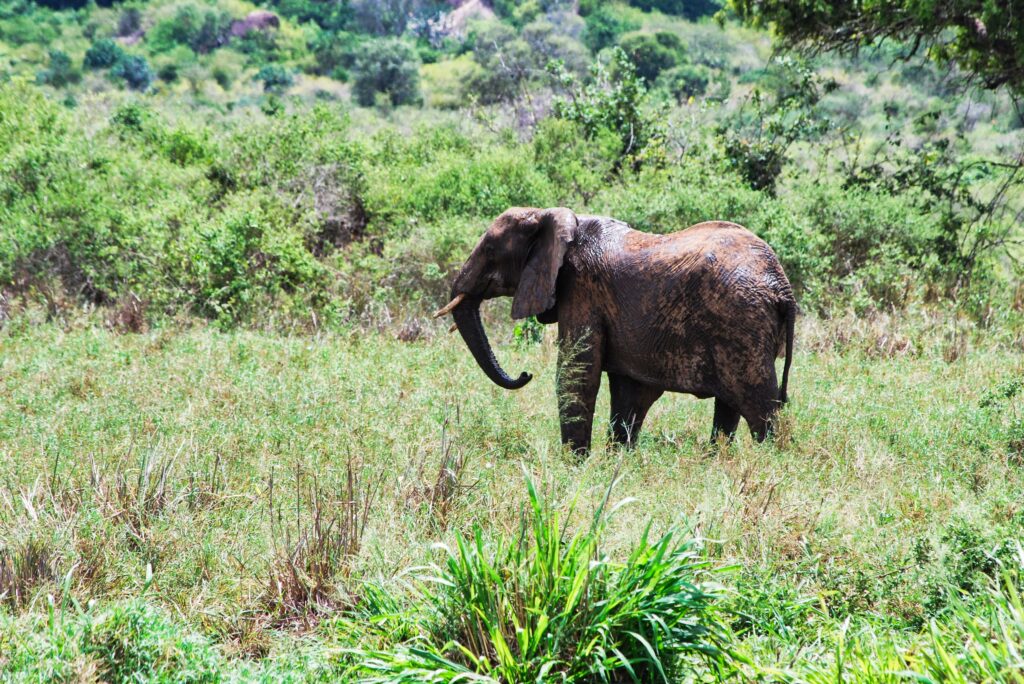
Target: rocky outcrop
point(257, 20)
point(454, 23)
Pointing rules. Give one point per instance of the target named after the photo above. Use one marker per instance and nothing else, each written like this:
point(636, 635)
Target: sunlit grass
point(145, 466)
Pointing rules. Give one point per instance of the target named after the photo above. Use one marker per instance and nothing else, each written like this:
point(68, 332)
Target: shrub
point(690, 9)
point(507, 64)
point(757, 138)
point(613, 101)
point(199, 29)
point(275, 78)
point(103, 54)
point(388, 66)
point(549, 604)
point(134, 71)
point(604, 26)
point(60, 72)
point(334, 52)
point(579, 165)
point(686, 81)
point(653, 53)
point(332, 16)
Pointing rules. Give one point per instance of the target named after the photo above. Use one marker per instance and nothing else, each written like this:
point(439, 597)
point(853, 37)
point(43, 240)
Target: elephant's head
point(518, 256)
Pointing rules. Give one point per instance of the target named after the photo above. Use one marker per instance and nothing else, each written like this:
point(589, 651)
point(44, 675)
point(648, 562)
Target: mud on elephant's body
point(705, 311)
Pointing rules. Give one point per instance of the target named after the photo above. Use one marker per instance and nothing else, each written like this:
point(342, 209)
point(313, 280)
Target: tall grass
point(550, 604)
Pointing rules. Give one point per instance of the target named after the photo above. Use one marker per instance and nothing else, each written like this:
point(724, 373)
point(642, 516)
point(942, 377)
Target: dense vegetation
point(233, 446)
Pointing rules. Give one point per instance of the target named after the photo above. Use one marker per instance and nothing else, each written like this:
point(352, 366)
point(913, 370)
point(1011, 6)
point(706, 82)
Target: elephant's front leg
point(579, 378)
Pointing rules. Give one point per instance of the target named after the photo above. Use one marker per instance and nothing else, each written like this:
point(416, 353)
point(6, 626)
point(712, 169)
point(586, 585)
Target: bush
point(135, 72)
point(613, 101)
point(335, 53)
point(604, 26)
point(388, 66)
point(690, 9)
point(60, 72)
point(577, 164)
point(199, 29)
point(653, 53)
point(331, 16)
point(103, 54)
point(686, 81)
point(275, 78)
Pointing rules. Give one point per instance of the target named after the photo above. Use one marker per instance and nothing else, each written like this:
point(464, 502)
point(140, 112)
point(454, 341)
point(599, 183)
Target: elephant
point(704, 311)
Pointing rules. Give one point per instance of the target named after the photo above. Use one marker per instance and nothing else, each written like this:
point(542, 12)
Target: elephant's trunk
point(467, 318)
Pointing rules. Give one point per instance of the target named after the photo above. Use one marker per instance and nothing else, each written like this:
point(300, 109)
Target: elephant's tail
point(790, 320)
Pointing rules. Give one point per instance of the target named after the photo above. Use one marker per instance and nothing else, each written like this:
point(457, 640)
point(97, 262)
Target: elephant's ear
point(536, 291)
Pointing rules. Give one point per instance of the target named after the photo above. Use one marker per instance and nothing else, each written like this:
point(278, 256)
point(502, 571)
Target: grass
point(253, 503)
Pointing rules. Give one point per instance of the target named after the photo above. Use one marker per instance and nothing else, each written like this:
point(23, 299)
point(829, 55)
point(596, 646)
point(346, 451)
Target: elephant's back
point(731, 261)
point(691, 299)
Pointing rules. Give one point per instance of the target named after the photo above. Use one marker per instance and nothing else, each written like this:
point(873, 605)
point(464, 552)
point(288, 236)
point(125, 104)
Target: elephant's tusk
point(455, 326)
point(450, 305)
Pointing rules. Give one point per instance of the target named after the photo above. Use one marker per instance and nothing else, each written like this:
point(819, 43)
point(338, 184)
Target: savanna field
point(235, 445)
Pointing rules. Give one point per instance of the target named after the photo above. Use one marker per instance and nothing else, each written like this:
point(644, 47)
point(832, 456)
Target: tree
point(653, 53)
point(275, 78)
point(203, 30)
point(386, 66)
point(103, 54)
point(984, 38)
point(60, 72)
point(135, 71)
point(685, 81)
point(690, 9)
point(333, 15)
point(604, 26)
point(393, 17)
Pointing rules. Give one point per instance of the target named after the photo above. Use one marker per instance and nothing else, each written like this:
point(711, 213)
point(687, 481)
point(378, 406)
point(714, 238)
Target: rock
point(463, 11)
point(257, 20)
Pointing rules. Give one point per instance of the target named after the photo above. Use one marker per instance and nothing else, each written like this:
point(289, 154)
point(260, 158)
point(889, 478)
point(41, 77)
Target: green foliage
point(982, 38)
point(653, 53)
point(604, 26)
point(578, 163)
point(757, 138)
point(691, 9)
point(512, 64)
point(389, 67)
point(60, 73)
point(685, 81)
point(335, 53)
point(275, 78)
point(202, 30)
point(103, 54)
point(613, 101)
point(330, 16)
point(134, 71)
point(550, 603)
point(126, 642)
point(394, 17)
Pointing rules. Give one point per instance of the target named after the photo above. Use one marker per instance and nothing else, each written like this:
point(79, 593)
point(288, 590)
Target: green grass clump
point(123, 642)
point(550, 604)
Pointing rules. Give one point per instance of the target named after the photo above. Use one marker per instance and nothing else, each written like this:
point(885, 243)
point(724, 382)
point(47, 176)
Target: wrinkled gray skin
point(704, 311)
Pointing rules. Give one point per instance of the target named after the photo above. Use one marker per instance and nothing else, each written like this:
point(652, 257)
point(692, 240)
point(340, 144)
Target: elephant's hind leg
point(726, 420)
point(630, 402)
point(760, 414)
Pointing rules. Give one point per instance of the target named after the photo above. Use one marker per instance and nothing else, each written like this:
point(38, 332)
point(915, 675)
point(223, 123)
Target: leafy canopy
point(984, 38)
